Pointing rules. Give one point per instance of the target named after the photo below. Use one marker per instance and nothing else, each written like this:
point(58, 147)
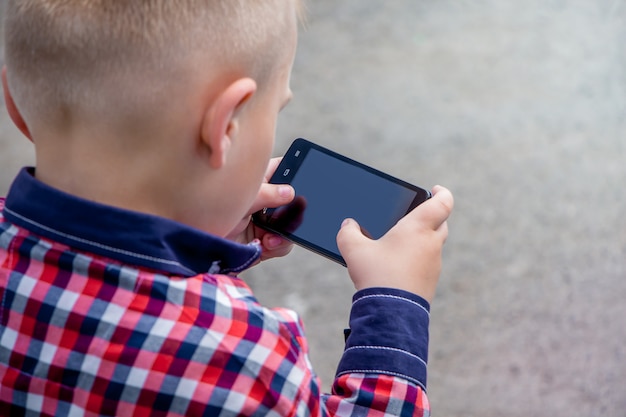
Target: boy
point(153, 123)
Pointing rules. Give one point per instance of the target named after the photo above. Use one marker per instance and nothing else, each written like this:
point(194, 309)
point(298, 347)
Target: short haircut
point(61, 52)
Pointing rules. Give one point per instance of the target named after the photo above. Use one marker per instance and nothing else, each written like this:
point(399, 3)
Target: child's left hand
point(270, 195)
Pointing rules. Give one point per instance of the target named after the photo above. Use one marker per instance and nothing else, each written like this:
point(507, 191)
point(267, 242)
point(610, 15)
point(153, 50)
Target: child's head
point(178, 88)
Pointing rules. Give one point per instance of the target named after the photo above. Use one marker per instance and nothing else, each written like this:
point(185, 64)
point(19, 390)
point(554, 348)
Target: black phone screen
point(330, 188)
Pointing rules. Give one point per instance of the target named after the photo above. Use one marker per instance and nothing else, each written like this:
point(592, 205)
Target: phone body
point(330, 188)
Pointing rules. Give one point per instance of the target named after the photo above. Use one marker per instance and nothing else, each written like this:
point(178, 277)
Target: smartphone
point(330, 188)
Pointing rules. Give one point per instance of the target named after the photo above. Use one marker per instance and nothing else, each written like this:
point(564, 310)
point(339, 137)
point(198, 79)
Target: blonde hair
point(64, 53)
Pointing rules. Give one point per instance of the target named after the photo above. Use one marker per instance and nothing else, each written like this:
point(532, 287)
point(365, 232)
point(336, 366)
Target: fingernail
point(345, 222)
point(285, 191)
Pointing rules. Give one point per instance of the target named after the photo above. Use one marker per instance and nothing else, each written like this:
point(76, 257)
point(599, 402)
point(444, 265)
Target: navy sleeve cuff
point(388, 335)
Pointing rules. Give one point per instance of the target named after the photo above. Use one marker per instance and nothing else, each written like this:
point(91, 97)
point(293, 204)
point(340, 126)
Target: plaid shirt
point(110, 312)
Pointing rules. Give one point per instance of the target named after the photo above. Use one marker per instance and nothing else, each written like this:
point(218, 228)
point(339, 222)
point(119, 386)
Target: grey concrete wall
point(519, 108)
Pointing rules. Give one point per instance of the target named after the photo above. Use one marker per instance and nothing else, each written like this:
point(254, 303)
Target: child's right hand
point(408, 256)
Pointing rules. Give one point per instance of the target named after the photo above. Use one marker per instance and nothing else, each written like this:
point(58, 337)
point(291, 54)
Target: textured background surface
point(519, 108)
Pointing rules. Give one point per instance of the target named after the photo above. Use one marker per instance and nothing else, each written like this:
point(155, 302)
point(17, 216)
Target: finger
point(349, 234)
point(443, 231)
point(274, 246)
point(435, 211)
point(445, 197)
point(272, 195)
point(272, 241)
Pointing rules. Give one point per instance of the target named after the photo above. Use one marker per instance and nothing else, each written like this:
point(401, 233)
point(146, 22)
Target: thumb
point(272, 195)
point(349, 235)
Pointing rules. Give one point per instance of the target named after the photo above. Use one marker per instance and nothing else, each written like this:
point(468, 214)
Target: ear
point(14, 113)
point(219, 126)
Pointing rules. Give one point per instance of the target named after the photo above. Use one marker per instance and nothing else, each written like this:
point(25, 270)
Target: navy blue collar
point(129, 237)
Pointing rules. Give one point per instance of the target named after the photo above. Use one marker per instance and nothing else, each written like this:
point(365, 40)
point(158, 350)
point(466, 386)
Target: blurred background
point(520, 109)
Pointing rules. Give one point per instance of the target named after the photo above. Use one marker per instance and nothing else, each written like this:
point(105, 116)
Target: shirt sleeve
point(383, 367)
